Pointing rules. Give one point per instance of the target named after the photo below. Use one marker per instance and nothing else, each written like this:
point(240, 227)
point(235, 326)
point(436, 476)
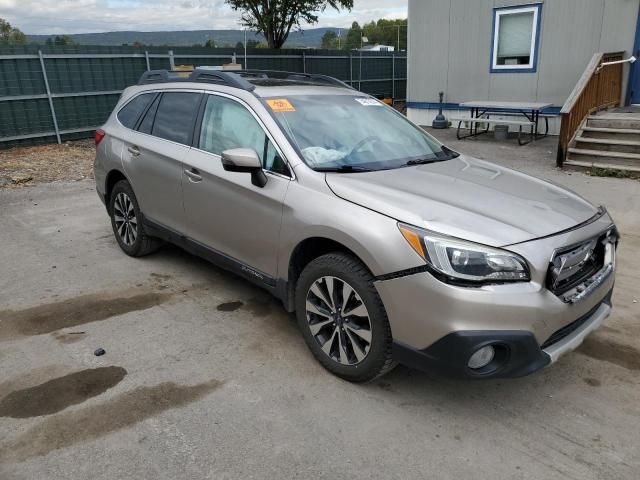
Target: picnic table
point(481, 113)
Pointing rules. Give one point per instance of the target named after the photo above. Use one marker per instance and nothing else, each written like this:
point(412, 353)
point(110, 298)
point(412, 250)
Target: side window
point(130, 113)
point(175, 116)
point(226, 124)
point(146, 125)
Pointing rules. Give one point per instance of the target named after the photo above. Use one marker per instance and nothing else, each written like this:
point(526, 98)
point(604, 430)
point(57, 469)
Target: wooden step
point(617, 122)
point(608, 144)
point(603, 159)
point(615, 133)
point(587, 164)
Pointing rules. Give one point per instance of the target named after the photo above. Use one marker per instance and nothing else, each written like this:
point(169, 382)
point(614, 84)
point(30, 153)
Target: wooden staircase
point(608, 139)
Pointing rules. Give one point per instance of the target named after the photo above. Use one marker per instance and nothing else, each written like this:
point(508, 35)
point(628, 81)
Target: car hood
point(467, 198)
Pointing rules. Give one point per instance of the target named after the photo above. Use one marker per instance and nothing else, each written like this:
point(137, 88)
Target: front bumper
point(437, 326)
point(519, 353)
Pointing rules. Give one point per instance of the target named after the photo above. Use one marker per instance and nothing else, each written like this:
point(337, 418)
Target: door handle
point(194, 175)
point(135, 151)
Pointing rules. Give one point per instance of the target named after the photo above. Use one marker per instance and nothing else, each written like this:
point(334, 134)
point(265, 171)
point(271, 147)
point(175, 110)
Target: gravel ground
point(206, 377)
point(70, 161)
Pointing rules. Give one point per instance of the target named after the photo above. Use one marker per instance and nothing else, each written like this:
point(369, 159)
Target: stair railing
point(599, 87)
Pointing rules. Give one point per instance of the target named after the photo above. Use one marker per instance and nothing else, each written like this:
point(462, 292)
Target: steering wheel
point(361, 144)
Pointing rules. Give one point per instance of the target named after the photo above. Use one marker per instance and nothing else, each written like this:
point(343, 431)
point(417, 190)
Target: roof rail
point(198, 75)
point(236, 78)
point(304, 77)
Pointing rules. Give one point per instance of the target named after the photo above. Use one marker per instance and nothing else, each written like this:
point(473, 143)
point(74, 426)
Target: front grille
point(573, 326)
point(573, 265)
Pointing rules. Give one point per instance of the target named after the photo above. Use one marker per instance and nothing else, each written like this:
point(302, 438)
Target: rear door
point(224, 210)
point(153, 156)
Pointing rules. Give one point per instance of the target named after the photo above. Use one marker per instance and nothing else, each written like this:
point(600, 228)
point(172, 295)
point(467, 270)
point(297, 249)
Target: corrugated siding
point(450, 45)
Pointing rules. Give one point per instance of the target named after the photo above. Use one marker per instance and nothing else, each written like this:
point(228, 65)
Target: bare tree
point(275, 18)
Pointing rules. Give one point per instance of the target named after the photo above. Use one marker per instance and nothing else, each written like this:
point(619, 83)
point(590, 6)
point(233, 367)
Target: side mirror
point(245, 160)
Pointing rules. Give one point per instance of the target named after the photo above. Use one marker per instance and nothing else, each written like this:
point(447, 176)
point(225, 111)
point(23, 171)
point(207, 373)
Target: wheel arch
point(113, 177)
point(304, 253)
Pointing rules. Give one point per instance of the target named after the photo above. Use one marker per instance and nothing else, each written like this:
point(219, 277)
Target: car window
point(146, 125)
point(227, 124)
point(130, 113)
point(175, 116)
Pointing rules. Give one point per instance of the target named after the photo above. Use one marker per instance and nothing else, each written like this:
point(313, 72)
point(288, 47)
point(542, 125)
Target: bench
point(546, 117)
point(488, 121)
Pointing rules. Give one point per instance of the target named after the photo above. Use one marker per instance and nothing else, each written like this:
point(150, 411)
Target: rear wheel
point(126, 222)
point(342, 318)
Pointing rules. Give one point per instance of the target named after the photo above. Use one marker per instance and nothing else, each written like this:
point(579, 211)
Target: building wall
point(450, 48)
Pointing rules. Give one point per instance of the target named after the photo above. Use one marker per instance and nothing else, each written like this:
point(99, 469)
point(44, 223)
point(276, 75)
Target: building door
point(633, 97)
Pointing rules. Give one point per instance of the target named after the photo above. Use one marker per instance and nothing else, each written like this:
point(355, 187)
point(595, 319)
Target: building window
point(515, 38)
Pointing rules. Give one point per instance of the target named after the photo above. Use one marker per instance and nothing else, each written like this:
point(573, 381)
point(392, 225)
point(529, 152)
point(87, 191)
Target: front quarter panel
point(312, 210)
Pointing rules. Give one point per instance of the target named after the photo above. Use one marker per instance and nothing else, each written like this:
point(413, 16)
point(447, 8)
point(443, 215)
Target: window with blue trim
point(516, 32)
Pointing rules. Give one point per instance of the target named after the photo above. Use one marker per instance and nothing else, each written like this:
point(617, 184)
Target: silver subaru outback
point(388, 246)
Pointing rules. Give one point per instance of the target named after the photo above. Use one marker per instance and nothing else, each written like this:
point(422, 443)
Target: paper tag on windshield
point(279, 105)
point(369, 102)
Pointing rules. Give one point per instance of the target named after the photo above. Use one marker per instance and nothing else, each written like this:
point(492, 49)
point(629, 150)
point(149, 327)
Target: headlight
point(466, 261)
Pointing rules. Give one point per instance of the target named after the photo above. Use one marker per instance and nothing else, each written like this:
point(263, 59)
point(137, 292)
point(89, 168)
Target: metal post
point(245, 50)
point(46, 84)
point(304, 62)
point(398, 37)
point(351, 69)
point(172, 62)
point(393, 77)
point(360, 74)
point(146, 57)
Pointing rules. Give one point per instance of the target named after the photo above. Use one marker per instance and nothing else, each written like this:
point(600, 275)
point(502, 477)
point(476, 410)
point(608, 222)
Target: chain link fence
point(64, 93)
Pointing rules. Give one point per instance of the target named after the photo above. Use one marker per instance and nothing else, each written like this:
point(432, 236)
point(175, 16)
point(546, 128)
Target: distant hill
point(311, 38)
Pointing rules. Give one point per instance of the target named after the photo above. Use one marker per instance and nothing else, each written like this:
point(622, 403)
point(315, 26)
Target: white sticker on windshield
point(369, 102)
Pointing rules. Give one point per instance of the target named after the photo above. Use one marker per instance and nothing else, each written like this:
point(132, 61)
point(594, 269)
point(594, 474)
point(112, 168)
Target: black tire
point(349, 269)
point(143, 244)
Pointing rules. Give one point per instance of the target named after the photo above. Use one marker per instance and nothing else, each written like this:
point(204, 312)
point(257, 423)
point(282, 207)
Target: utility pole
point(398, 37)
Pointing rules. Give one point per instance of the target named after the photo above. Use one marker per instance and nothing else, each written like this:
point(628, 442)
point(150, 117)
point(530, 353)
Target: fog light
point(481, 358)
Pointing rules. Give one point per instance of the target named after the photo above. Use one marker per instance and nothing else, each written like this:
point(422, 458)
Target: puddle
point(229, 306)
point(91, 422)
point(610, 351)
point(260, 306)
point(73, 312)
point(68, 337)
point(592, 382)
point(60, 393)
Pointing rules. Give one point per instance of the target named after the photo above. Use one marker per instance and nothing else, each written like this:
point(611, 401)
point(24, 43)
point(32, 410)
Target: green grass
point(613, 172)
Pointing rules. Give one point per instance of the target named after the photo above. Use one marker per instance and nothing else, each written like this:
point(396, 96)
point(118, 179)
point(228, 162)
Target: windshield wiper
point(422, 161)
point(439, 157)
point(343, 169)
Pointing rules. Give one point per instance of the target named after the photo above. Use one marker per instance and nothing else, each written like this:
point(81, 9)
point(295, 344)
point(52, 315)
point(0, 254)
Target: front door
point(634, 76)
point(224, 211)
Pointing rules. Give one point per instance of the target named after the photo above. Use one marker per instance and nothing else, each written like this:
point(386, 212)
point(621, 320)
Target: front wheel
point(342, 318)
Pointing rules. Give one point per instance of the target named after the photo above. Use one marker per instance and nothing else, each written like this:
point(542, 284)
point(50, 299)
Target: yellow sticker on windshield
point(279, 105)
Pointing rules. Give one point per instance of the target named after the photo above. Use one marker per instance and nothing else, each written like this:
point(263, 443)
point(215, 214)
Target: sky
point(83, 16)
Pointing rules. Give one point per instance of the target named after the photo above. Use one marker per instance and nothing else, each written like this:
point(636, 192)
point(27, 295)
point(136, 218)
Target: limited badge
point(280, 105)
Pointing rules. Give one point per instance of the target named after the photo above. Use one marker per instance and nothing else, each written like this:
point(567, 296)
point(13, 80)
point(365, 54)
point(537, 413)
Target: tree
point(275, 18)
point(60, 41)
point(330, 40)
point(210, 43)
point(354, 37)
point(382, 32)
point(10, 35)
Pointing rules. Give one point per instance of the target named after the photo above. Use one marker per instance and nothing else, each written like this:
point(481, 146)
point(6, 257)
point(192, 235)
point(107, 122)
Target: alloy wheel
point(124, 216)
point(339, 320)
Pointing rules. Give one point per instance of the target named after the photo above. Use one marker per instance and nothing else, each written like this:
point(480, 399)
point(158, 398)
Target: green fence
point(63, 93)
